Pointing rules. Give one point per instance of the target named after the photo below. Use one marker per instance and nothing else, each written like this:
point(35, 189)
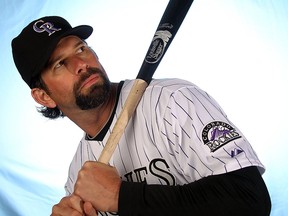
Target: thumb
point(89, 209)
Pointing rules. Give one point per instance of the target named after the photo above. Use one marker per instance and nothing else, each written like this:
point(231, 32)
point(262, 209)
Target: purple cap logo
point(40, 27)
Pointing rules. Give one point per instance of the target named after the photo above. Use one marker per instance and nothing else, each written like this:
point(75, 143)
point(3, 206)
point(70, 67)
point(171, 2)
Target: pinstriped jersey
point(177, 135)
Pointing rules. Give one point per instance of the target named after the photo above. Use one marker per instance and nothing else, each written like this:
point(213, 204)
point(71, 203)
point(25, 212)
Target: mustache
point(88, 73)
point(85, 75)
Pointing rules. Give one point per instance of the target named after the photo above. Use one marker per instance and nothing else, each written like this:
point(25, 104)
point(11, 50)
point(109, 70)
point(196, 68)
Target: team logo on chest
point(217, 134)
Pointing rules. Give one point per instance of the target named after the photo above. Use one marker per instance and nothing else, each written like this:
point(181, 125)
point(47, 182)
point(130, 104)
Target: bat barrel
point(170, 22)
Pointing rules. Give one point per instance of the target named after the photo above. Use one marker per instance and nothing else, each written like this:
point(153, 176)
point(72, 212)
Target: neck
point(92, 121)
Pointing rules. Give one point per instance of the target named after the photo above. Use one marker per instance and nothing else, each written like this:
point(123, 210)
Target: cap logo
point(40, 27)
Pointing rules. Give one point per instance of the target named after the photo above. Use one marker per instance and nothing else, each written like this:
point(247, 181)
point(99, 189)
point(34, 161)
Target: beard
point(96, 95)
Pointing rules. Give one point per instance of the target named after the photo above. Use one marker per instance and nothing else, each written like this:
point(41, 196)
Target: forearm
point(241, 192)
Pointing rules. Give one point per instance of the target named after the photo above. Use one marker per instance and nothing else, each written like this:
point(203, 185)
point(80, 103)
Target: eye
point(81, 49)
point(59, 64)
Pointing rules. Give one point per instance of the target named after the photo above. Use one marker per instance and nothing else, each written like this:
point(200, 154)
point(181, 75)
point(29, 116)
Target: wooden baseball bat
point(170, 22)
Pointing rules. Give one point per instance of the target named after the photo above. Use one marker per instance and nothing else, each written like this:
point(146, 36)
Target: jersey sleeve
point(199, 137)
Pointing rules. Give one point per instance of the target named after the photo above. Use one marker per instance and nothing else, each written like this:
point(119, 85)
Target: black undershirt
point(242, 192)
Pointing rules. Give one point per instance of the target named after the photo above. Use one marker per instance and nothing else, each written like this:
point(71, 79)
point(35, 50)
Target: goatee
point(96, 95)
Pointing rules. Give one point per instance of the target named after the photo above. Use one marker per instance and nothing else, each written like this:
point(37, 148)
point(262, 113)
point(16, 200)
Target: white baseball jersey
point(178, 134)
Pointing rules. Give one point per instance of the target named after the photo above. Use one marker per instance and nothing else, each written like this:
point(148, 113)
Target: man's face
point(74, 76)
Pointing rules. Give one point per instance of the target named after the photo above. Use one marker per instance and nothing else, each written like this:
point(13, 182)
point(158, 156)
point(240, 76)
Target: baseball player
point(179, 155)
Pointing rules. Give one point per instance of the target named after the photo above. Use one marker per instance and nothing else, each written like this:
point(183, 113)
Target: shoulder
point(171, 83)
point(169, 88)
point(168, 84)
point(162, 92)
point(165, 82)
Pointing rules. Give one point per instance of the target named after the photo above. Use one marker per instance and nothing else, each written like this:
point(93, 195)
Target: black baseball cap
point(33, 47)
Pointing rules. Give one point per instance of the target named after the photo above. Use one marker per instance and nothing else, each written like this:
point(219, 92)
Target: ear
point(41, 97)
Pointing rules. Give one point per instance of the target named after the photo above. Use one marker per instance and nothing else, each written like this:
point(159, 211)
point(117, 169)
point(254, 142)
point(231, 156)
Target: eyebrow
point(51, 61)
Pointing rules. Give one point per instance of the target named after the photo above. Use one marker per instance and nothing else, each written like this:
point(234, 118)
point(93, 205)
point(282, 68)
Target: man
point(179, 155)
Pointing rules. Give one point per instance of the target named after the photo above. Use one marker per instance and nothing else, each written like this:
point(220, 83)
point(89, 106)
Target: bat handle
point(130, 105)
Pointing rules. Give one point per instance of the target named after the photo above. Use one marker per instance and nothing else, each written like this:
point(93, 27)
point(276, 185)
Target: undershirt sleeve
point(241, 192)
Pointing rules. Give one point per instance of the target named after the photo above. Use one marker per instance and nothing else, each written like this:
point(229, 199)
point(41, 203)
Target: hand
point(99, 184)
point(73, 205)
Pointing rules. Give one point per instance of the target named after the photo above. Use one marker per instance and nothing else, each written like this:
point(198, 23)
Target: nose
point(77, 65)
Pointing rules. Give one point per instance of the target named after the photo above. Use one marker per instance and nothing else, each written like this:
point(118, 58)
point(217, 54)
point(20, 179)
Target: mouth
point(90, 81)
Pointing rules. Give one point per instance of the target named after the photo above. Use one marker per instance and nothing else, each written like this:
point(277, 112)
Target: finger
point(89, 209)
point(76, 203)
point(71, 205)
point(64, 211)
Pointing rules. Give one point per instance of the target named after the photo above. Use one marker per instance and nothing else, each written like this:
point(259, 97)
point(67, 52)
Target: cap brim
point(82, 31)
